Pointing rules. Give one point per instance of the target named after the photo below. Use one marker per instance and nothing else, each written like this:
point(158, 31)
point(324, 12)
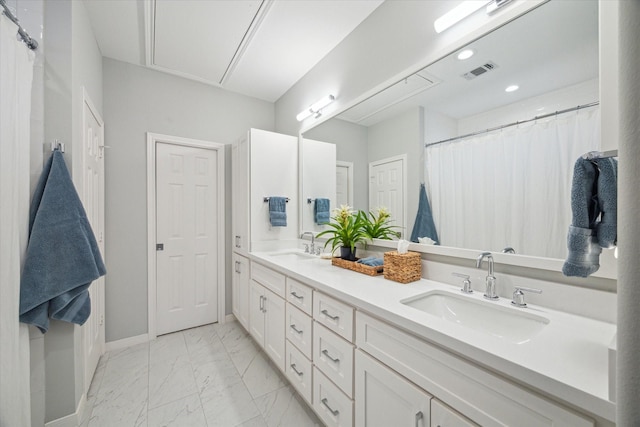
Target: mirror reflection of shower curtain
point(510, 187)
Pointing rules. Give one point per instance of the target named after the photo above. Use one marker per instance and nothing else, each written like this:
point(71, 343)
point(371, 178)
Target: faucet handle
point(466, 283)
point(518, 295)
point(306, 248)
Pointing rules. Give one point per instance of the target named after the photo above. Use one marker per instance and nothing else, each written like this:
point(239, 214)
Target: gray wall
point(351, 146)
point(402, 134)
point(137, 101)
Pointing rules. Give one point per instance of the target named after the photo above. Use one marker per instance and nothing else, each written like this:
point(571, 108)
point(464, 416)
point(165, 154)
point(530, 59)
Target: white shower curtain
point(16, 74)
point(510, 187)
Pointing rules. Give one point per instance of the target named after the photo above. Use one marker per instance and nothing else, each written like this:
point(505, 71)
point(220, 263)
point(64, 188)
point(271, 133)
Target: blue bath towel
point(62, 257)
point(583, 258)
point(424, 225)
point(321, 211)
point(607, 228)
point(278, 211)
point(371, 261)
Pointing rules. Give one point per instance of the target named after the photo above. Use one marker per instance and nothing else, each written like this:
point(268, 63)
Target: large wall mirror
point(551, 54)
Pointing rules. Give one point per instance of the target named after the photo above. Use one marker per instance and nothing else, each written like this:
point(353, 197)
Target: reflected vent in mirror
point(489, 66)
point(389, 97)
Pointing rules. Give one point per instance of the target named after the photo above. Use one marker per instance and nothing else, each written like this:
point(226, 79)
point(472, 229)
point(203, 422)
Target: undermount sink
point(515, 325)
point(292, 255)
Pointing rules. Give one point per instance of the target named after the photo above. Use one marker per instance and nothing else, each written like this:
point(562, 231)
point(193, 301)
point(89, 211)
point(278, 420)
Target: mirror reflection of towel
point(278, 211)
point(63, 257)
point(321, 211)
point(424, 225)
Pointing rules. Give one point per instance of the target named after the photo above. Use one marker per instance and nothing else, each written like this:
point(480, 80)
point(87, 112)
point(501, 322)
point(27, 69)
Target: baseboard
point(126, 342)
point(71, 420)
point(229, 318)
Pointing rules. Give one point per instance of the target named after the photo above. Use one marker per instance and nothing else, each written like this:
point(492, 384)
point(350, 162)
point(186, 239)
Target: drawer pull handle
point(237, 266)
point(262, 301)
point(419, 416)
point(237, 241)
point(296, 330)
point(295, 295)
point(334, 412)
point(326, 313)
point(293, 366)
point(326, 353)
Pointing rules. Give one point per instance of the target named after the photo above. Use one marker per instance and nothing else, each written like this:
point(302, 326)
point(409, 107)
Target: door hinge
point(159, 246)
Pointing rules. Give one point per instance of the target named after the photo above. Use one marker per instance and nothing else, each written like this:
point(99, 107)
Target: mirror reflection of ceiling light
point(316, 108)
point(512, 88)
point(458, 13)
point(465, 54)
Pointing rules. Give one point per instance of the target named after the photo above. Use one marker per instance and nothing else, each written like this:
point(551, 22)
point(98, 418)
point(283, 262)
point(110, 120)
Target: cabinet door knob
point(334, 412)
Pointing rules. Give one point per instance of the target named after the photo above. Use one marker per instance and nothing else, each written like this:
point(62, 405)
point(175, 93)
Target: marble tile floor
point(210, 376)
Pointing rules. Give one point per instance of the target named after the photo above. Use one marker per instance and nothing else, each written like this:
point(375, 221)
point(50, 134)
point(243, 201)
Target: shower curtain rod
point(31, 43)
point(544, 116)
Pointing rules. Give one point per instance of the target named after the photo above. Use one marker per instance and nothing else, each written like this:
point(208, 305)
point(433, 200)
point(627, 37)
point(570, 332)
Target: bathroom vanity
point(363, 350)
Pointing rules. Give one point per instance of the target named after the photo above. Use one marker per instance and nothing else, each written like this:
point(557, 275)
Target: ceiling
point(259, 48)
point(552, 47)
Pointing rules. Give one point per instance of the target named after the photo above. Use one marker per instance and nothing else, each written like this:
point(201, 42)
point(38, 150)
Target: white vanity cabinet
point(479, 395)
point(384, 398)
point(240, 289)
point(267, 311)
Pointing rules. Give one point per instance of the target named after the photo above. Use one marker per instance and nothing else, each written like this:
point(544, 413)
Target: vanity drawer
point(334, 357)
point(270, 279)
point(333, 314)
point(299, 371)
point(300, 295)
point(299, 330)
point(332, 405)
point(485, 398)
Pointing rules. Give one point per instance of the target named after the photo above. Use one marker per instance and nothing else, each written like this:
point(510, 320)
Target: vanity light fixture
point(316, 108)
point(512, 88)
point(458, 13)
point(465, 54)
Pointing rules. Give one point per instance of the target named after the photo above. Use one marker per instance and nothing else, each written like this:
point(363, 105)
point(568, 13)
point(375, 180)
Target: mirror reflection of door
point(344, 183)
point(387, 182)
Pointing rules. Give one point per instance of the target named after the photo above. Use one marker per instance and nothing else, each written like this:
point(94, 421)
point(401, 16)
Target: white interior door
point(93, 200)
point(187, 234)
point(344, 183)
point(387, 184)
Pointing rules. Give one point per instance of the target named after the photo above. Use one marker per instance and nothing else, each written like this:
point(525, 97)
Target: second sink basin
point(514, 325)
point(292, 255)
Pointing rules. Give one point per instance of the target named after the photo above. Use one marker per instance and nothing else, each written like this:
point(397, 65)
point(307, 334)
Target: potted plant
point(377, 225)
point(346, 229)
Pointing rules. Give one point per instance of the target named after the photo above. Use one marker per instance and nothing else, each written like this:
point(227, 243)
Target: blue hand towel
point(278, 211)
point(321, 211)
point(607, 228)
point(583, 258)
point(62, 257)
point(424, 225)
point(371, 261)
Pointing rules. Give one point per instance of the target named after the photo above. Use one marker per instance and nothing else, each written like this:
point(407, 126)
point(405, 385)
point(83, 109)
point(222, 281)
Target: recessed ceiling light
point(465, 54)
point(512, 88)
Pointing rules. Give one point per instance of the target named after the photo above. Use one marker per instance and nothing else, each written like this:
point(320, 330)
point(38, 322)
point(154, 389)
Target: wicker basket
point(360, 268)
point(403, 268)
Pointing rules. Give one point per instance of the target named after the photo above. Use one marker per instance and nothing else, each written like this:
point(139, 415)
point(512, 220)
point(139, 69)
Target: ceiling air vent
point(489, 66)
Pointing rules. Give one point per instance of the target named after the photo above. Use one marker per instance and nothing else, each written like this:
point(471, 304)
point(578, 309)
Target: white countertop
point(567, 360)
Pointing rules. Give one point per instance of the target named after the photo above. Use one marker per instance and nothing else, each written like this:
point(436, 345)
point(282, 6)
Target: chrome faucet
point(508, 250)
point(490, 281)
point(310, 249)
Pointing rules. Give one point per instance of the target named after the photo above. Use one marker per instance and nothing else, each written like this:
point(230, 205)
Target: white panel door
point(186, 212)
point(274, 328)
point(93, 200)
point(387, 188)
point(344, 184)
point(256, 311)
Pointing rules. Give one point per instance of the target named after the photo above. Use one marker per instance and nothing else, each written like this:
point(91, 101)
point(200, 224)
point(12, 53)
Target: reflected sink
point(292, 255)
point(514, 325)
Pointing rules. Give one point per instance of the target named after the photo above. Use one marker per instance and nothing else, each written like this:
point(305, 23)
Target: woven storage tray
point(360, 268)
point(403, 268)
